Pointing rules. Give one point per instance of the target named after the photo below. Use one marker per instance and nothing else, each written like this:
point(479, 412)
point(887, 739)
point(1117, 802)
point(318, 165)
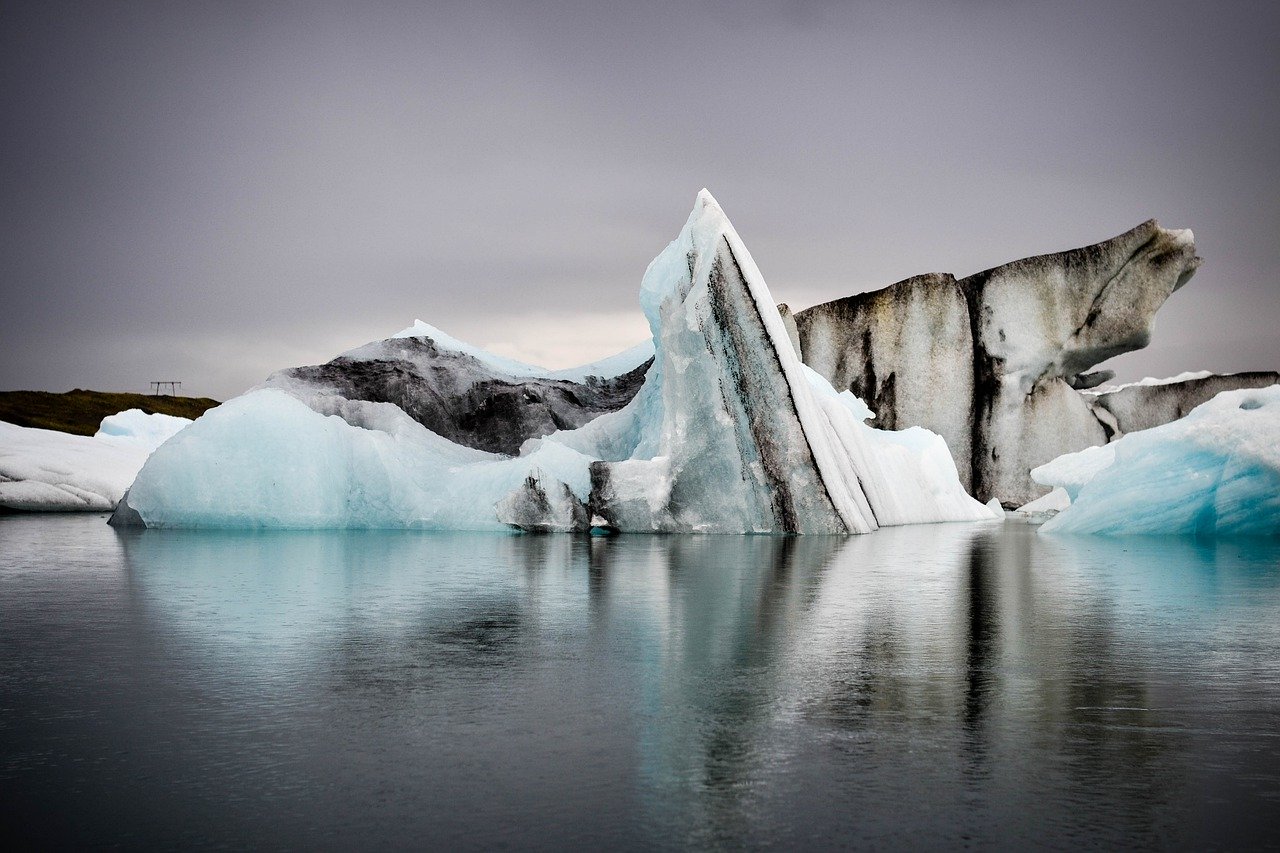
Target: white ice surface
point(48, 471)
point(136, 428)
point(1071, 472)
point(1054, 502)
point(266, 459)
point(1216, 471)
point(909, 475)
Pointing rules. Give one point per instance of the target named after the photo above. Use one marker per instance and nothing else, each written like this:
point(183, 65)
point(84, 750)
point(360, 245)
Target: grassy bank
point(81, 411)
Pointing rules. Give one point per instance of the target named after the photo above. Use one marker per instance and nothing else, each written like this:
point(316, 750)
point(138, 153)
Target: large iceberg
point(715, 427)
point(44, 470)
point(1214, 472)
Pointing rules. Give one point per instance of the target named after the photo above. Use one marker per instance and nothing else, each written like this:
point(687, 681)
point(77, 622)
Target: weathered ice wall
point(996, 362)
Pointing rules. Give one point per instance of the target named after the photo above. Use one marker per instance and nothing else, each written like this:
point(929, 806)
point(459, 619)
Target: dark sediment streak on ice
point(457, 396)
point(1137, 407)
point(993, 362)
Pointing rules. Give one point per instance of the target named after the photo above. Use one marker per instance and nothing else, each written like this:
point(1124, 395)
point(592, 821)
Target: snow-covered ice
point(1150, 382)
point(1216, 471)
point(49, 471)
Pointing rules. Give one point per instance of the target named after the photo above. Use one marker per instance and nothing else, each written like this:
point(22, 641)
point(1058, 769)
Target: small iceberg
point(1214, 472)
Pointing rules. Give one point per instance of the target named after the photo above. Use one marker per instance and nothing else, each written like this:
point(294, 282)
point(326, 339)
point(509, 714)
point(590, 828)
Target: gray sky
point(212, 191)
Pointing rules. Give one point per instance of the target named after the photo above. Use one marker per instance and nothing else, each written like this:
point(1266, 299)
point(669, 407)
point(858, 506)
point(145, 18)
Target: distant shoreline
point(81, 411)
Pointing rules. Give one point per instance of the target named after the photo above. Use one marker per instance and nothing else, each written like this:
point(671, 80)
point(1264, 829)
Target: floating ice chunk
point(739, 443)
point(466, 395)
point(48, 471)
point(1056, 501)
point(139, 429)
point(1071, 472)
point(266, 459)
point(992, 362)
point(1216, 471)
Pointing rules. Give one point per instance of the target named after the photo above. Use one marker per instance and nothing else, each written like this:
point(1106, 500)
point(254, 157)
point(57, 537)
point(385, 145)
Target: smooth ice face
point(1216, 471)
point(48, 471)
point(266, 459)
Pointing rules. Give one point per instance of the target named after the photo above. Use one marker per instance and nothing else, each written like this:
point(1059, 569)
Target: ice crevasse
point(728, 433)
point(1214, 472)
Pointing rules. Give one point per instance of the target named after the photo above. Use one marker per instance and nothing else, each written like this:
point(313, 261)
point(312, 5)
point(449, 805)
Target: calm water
point(943, 685)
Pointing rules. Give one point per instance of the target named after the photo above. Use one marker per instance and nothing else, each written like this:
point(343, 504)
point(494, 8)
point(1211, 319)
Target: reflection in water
point(925, 685)
point(983, 631)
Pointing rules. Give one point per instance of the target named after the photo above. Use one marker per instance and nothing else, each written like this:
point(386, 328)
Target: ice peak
point(420, 329)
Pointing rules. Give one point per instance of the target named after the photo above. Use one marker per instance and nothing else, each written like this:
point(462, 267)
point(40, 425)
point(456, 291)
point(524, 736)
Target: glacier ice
point(267, 459)
point(49, 471)
point(996, 362)
point(715, 426)
point(1215, 471)
point(1048, 505)
point(1151, 402)
point(139, 429)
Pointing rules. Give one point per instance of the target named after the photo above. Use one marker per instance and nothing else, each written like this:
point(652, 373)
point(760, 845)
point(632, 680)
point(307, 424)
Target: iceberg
point(1000, 363)
point(268, 460)
point(714, 426)
point(136, 428)
point(1045, 507)
point(1214, 472)
point(48, 471)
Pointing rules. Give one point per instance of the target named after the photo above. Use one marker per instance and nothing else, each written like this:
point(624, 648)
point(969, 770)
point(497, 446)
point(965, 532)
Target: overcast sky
point(212, 191)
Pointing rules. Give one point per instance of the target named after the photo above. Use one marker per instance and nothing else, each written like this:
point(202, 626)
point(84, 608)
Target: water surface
point(928, 686)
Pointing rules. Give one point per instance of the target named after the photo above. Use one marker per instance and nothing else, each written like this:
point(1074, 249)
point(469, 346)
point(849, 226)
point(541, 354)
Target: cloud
point(234, 188)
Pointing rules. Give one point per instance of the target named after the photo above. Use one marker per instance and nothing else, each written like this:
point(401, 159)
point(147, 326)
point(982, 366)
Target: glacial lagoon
point(935, 685)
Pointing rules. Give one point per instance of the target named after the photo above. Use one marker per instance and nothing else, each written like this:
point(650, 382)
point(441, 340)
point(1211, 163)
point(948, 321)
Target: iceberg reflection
point(726, 688)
